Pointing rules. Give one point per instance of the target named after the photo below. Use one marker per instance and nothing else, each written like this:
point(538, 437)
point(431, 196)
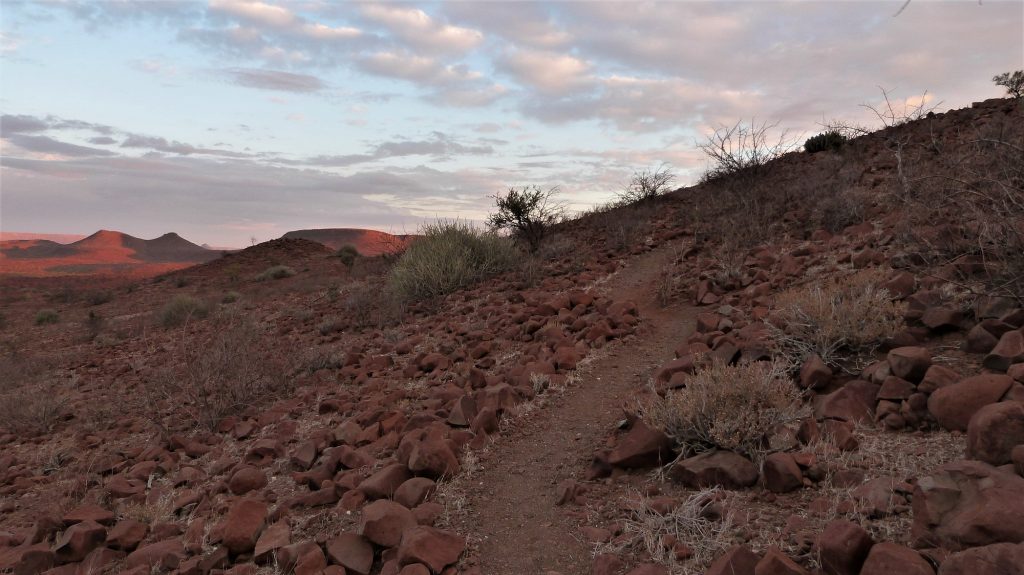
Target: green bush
point(230, 297)
point(181, 309)
point(825, 141)
point(449, 256)
point(347, 254)
point(275, 273)
point(46, 316)
point(527, 213)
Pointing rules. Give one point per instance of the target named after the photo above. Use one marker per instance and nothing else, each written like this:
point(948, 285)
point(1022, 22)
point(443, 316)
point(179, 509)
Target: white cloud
point(418, 29)
point(547, 72)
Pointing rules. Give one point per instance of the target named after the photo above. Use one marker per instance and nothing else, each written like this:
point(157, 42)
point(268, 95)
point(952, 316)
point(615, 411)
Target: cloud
point(547, 72)
point(275, 80)
point(163, 145)
point(102, 140)
point(422, 32)
point(48, 145)
point(15, 124)
point(447, 84)
point(524, 24)
point(439, 145)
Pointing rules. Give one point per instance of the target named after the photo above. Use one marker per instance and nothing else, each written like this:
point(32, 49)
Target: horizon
point(229, 120)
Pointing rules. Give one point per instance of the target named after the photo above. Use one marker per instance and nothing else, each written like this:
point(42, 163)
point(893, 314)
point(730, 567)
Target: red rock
point(126, 535)
point(167, 554)
point(641, 446)
point(305, 558)
point(936, 377)
point(428, 513)
point(243, 524)
point(384, 482)
point(433, 457)
point(352, 552)
point(967, 504)
point(462, 412)
point(775, 562)
point(78, 541)
point(1017, 455)
point(89, 512)
point(725, 468)
point(854, 402)
point(997, 559)
point(737, 560)
point(842, 547)
point(383, 522)
point(878, 497)
point(895, 389)
point(980, 340)
point(781, 473)
point(1008, 351)
point(909, 363)
point(432, 547)
point(814, 374)
point(246, 479)
point(98, 560)
point(954, 405)
point(120, 486)
point(889, 558)
point(414, 491)
point(272, 538)
point(29, 560)
point(415, 569)
point(942, 318)
point(649, 569)
point(683, 365)
point(605, 564)
point(994, 431)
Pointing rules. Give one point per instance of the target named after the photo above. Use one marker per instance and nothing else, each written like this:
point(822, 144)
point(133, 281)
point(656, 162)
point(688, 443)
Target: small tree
point(647, 185)
point(527, 213)
point(744, 147)
point(347, 254)
point(1012, 81)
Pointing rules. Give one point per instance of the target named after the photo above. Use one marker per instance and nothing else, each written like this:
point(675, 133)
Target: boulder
point(414, 491)
point(967, 504)
point(737, 560)
point(384, 482)
point(842, 547)
point(1008, 351)
point(937, 376)
point(305, 558)
point(434, 458)
point(909, 363)
point(954, 405)
point(78, 541)
point(855, 402)
point(641, 446)
point(274, 537)
point(996, 559)
point(127, 534)
point(242, 525)
point(781, 473)
point(382, 522)
point(814, 373)
point(166, 554)
point(719, 467)
point(245, 479)
point(994, 431)
point(775, 562)
point(351, 551)
point(889, 558)
point(432, 547)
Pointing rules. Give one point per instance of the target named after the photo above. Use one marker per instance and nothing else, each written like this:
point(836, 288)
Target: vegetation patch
point(181, 309)
point(278, 272)
point(47, 316)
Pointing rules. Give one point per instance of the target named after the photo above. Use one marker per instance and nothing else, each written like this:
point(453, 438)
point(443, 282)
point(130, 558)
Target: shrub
point(841, 321)
point(181, 309)
point(1012, 81)
point(733, 407)
point(99, 297)
point(46, 316)
point(528, 213)
point(32, 409)
point(840, 211)
point(223, 372)
point(449, 256)
point(646, 185)
point(347, 254)
point(230, 297)
point(831, 140)
point(743, 148)
point(275, 273)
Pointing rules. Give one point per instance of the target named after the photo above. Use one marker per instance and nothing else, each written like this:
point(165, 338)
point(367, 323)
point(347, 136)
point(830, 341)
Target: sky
point(229, 120)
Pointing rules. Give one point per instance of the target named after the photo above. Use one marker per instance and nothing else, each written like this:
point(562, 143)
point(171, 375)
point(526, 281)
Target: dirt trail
point(512, 499)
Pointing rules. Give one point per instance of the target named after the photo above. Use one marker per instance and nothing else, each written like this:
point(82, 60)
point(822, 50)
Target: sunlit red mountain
point(104, 252)
point(366, 242)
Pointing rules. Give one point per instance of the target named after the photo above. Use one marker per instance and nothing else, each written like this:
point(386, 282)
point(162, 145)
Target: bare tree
point(745, 147)
point(646, 185)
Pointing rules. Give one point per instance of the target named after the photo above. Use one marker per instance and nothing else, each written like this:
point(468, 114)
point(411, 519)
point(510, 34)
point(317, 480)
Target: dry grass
point(728, 407)
point(223, 372)
point(692, 523)
point(842, 321)
point(32, 393)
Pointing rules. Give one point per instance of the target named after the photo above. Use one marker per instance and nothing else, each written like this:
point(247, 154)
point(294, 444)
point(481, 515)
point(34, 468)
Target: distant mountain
point(366, 242)
point(59, 238)
point(107, 252)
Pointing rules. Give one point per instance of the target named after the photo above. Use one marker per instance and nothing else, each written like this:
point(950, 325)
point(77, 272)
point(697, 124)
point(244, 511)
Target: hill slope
point(367, 242)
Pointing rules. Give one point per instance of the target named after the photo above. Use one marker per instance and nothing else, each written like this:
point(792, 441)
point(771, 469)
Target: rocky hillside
point(815, 366)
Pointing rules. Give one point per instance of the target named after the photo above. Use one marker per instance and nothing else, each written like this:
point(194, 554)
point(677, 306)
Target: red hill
point(367, 242)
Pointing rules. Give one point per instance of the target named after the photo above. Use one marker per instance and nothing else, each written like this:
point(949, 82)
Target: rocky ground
point(507, 428)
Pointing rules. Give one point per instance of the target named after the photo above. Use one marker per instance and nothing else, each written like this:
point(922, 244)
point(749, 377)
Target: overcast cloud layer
point(233, 118)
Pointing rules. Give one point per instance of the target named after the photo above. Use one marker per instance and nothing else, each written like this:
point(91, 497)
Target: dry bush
point(842, 321)
point(278, 272)
point(223, 372)
point(647, 185)
point(693, 523)
point(839, 211)
point(181, 309)
point(449, 256)
point(47, 316)
point(744, 148)
point(733, 407)
point(31, 399)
